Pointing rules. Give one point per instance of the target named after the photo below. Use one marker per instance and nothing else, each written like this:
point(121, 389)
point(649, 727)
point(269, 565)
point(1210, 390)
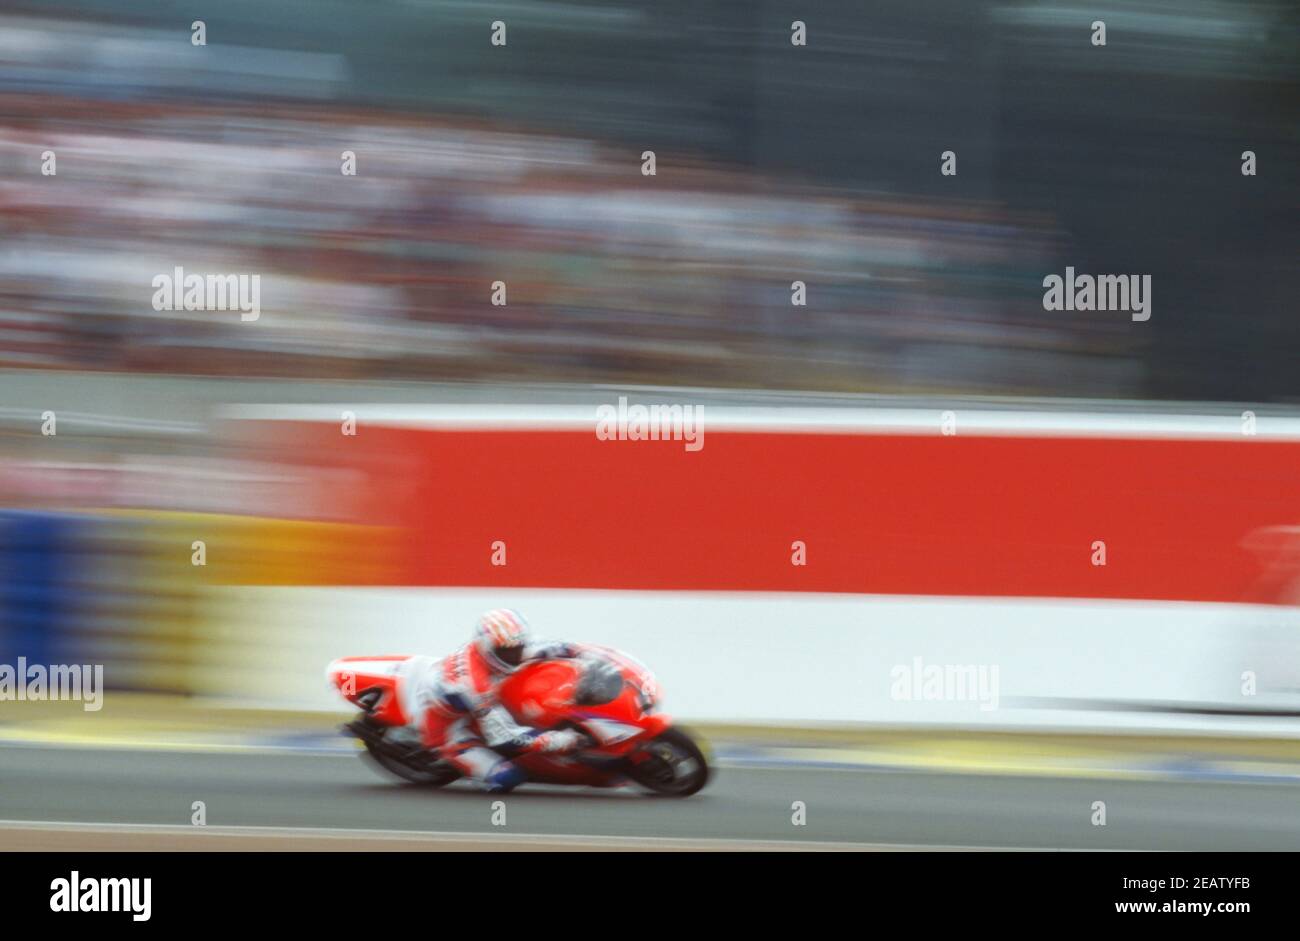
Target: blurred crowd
point(686, 276)
point(167, 155)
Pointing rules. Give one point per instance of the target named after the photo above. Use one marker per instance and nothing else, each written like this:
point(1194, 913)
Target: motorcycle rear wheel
point(671, 765)
point(432, 774)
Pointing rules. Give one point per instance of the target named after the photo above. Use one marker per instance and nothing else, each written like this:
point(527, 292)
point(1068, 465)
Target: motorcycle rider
point(454, 707)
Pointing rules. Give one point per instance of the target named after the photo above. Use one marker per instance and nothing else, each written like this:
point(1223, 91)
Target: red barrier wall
point(889, 514)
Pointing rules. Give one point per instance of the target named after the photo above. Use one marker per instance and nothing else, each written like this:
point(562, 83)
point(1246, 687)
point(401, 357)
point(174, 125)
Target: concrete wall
point(970, 554)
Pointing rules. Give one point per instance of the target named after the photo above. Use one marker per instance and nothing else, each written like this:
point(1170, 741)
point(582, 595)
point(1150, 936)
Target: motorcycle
point(606, 695)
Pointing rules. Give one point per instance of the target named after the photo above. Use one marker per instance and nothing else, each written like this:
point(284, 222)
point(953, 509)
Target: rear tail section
point(371, 683)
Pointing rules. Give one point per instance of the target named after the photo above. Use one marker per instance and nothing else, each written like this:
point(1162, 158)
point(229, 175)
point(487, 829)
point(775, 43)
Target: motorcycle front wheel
point(671, 765)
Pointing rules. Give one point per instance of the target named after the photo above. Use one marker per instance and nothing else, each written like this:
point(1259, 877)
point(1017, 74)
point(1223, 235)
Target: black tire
point(427, 774)
point(671, 765)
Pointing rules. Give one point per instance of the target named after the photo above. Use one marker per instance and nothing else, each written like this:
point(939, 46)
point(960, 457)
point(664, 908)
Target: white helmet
point(501, 636)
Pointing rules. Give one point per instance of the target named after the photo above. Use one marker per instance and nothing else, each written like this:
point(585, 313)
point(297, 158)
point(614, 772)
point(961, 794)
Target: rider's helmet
point(501, 636)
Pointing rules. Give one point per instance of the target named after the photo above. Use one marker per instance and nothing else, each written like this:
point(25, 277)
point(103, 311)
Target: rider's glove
point(561, 741)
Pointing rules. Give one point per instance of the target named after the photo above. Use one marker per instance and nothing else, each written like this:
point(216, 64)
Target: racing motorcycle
point(608, 696)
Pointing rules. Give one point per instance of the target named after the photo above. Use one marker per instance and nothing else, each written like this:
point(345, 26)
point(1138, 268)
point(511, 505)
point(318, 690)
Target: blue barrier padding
point(33, 605)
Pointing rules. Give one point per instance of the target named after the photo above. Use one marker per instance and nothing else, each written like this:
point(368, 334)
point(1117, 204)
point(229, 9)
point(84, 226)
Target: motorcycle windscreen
point(600, 683)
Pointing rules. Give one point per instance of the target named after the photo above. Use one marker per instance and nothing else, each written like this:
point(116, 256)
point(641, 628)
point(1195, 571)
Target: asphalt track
point(143, 799)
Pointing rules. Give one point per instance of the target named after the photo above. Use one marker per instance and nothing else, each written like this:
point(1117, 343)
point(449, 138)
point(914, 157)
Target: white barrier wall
point(812, 659)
